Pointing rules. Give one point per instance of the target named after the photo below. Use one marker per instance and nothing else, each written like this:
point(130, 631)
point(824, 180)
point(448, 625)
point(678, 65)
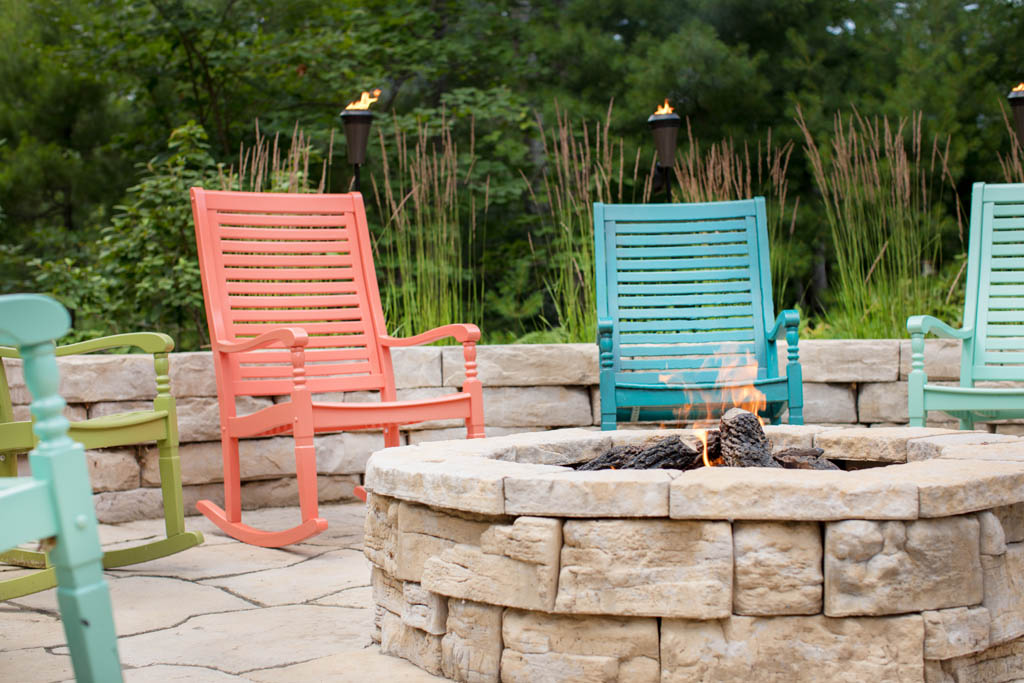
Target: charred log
point(803, 459)
point(743, 442)
point(670, 453)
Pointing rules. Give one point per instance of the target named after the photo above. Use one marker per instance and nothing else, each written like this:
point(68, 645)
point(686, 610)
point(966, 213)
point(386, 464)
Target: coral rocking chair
point(294, 310)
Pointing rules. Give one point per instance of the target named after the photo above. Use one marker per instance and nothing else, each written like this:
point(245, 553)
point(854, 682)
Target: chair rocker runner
point(294, 310)
point(684, 302)
point(992, 336)
point(160, 425)
point(55, 502)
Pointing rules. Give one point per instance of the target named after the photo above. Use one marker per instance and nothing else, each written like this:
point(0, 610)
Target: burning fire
point(667, 109)
point(1019, 87)
point(365, 100)
point(739, 392)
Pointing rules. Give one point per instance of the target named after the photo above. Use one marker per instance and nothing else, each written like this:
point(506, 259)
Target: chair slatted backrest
point(995, 284)
point(687, 287)
point(294, 260)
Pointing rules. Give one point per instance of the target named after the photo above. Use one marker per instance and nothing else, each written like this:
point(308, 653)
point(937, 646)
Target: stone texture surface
point(1000, 664)
point(580, 649)
point(554, 406)
point(793, 436)
point(561, 446)
point(790, 495)
point(964, 443)
point(424, 533)
point(515, 565)
point(886, 444)
point(422, 475)
point(417, 366)
point(199, 418)
point(471, 647)
point(941, 359)
point(202, 462)
point(113, 469)
point(882, 402)
point(849, 360)
point(829, 403)
point(777, 568)
point(1012, 519)
point(380, 541)
point(419, 647)
point(955, 632)
point(993, 538)
point(948, 486)
point(646, 568)
point(1004, 593)
point(793, 649)
point(877, 568)
point(523, 365)
point(424, 610)
point(192, 374)
point(602, 493)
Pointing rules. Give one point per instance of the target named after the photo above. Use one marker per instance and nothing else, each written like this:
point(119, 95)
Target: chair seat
point(131, 419)
point(698, 386)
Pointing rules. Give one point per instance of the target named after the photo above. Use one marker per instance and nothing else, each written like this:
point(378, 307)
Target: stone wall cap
point(428, 476)
point(756, 493)
point(880, 444)
point(600, 493)
point(952, 445)
point(951, 486)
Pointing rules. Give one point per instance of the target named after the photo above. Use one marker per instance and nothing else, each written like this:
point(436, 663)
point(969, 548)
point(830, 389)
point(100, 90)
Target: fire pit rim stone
point(471, 475)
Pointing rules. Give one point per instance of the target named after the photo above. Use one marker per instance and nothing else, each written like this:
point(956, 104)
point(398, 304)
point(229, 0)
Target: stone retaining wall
point(526, 388)
point(492, 561)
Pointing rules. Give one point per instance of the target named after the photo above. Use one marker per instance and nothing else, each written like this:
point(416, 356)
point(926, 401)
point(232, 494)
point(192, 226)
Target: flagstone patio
point(224, 611)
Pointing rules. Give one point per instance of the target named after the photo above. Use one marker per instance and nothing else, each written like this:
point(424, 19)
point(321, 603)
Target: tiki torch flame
point(667, 109)
point(365, 100)
point(1019, 87)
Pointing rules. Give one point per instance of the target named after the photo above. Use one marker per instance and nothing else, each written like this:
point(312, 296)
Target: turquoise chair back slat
point(686, 290)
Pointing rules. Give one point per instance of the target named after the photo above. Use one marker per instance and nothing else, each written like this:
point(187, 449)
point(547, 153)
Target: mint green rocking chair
point(55, 503)
point(993, 328)
point(159, 425)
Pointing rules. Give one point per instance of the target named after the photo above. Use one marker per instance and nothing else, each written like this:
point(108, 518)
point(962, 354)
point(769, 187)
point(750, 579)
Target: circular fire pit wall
point(493, 560)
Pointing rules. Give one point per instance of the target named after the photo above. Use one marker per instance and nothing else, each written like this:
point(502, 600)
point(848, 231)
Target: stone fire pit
point(492, 561)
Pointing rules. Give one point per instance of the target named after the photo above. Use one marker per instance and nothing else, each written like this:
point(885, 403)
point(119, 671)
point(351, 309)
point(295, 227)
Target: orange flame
point(739, 392)
point(365, 100)
point(663, 109)
point(1019, 87)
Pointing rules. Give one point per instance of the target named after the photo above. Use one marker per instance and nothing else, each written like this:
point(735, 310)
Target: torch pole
point(355, 177)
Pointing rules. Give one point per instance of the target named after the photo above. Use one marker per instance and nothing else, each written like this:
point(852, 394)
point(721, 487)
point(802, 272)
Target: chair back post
point(82, 593)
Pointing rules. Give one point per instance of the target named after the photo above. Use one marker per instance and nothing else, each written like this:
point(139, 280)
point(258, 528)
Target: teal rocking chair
point(993, 326)
point(55, 503)
point(685, 315)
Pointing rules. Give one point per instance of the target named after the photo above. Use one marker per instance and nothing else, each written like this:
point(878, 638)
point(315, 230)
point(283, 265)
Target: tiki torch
point(664, 125)
point(357, 118)
point(1016, 98)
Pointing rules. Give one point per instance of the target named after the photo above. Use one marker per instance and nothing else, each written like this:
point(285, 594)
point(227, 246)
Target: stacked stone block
point(900, 570)
point(527, 388)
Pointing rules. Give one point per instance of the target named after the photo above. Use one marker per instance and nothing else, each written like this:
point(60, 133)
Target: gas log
point(739, 442)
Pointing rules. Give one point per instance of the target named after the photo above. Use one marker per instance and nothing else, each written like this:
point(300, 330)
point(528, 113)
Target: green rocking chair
point(55, 503)
point(993, 329)
point(158, 425)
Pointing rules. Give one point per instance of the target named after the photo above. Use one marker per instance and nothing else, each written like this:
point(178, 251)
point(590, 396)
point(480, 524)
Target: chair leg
point(305, 472)
point(232, 479)
point(392, 437)
point(84, 601)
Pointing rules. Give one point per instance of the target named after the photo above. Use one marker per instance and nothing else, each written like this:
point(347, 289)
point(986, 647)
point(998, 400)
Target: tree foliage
point(91, 88)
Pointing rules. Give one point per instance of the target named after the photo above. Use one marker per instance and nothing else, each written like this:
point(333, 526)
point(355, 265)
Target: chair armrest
point(463, 333)
point(923, 324)
point(788, 319)
point(288, 337)
point(149, 342)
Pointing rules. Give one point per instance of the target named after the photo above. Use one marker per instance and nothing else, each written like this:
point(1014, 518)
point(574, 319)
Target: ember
point(739, 442)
